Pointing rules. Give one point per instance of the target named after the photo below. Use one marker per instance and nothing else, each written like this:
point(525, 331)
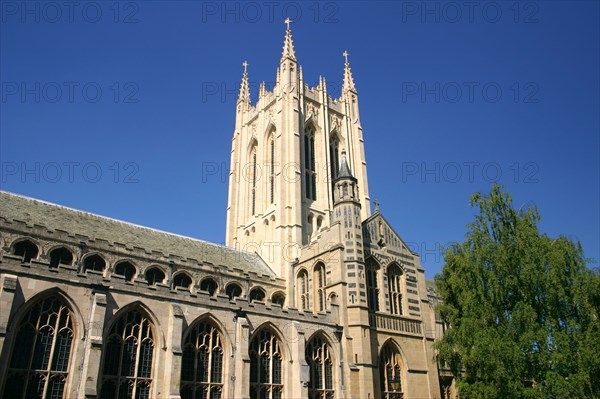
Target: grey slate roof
point(54, 217)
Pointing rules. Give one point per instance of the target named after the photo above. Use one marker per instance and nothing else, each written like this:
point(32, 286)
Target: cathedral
point(314, 295)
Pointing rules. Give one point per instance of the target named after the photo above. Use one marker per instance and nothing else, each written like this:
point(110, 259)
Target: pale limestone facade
point(311, 282)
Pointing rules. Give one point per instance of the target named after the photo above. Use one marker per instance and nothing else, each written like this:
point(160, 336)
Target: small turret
point(244, 95)
point(345, 184)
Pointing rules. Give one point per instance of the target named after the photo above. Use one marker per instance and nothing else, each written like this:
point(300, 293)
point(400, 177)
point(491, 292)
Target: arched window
point(60, 256)
point(182, 280)
point(155, 276)
point(319, 360)
point(390, 373)
point(334, 159)
point(310, 170)
point(209, 285)
point(26, 250)
point(257, 294)
point(319, 284)
point(302, 287)
point(372, 286)
point(42, 349)
point(253, 180)
point(265, 366)
point(278, 298)
point(125, 269)
point(394, 275)
point(128, 355)
point(95, 263)
point(202, 363)
point(272, 168)
point(233, 290)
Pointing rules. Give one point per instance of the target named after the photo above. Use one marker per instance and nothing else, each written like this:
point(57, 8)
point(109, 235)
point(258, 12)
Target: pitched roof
point(54, 217)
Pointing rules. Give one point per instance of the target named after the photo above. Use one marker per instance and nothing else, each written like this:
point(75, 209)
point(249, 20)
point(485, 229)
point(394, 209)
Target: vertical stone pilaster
point(240, 381)
point(172, 361)
point(299, 373)
point(92, 347)
point(8, 287)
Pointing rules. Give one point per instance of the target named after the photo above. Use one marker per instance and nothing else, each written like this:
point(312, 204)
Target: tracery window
point(302, 287)
point(42, 349)
point(319, 282)
point(265, 366)
point(272, 168)
point(202, 363)
point(390, 369)
point(25, 249)
point(372, 286)
point(128, 356)
point(253, 181)
point(320, 363)
point(334, 158)
point(394, 275)
point(310, 170)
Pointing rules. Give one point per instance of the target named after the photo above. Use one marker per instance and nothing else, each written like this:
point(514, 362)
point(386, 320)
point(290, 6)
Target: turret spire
point(348, 80)
point(244, 88)
point(288, 44)
point(344, 168)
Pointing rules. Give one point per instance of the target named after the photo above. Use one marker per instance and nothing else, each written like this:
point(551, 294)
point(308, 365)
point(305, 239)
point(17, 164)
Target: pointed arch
point(45, 332)
point(320, 359)
point(202, 366)
point(335, 143)
point(267, 358)
point(160, 336)
point(391, 370)
point(95, 262)
point(233, 290)
point(25, 247)
point(278, 298)
point(319, 284)
point(302, 289)
point(395, 276)
point(129, 354)
point(309, 160)
point(125, 268)
point(155, 275)
point(60, 255)
point(181, 279)
point(373, 271)
point(210, 285)
point(253, 175)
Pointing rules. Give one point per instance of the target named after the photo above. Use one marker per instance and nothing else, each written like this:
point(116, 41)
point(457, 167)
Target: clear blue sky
point(452, 98)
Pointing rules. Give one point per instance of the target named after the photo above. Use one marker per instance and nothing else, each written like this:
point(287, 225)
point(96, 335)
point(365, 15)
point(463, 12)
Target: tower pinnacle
point(348, 80)
point(288, 44)
point(244, 88)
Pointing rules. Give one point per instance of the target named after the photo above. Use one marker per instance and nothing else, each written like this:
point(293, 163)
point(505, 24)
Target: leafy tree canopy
point(521, 309)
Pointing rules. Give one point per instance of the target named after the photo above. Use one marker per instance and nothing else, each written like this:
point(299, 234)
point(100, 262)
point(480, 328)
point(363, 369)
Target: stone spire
point(288, 44)
point(244, 88)
point(344, 169)
point(348, 80)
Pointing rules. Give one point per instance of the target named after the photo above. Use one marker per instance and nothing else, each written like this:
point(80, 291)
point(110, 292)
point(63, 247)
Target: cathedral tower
point(285, 156)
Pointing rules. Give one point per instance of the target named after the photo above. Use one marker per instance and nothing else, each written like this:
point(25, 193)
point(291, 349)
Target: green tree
point(521, 309)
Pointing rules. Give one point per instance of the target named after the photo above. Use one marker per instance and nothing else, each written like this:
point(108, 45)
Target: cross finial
point(288, 21)
point(345, 54)
point(376, 205)
point(245, 64)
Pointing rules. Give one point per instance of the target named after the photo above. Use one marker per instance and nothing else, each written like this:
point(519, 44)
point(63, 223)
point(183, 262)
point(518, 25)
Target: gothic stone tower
point(285, 155)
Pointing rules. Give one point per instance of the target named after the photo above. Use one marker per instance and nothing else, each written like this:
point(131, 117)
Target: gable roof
point(54, 217)
point(377, 215)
